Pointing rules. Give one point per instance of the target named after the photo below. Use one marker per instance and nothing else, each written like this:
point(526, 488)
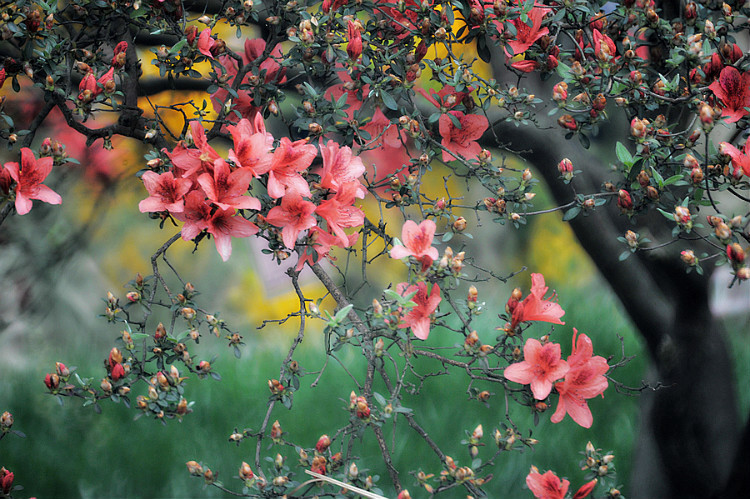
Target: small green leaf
point(571, 213)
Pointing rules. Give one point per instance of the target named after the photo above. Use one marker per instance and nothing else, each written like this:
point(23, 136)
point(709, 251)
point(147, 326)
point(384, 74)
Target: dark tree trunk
point(690, 427)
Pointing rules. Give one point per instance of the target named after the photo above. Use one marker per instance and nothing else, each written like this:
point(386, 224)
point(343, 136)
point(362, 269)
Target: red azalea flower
point(446, 98)
point(6, 481)
point(604, 48)
point(417, 241)
point(294, 215)
point(546, 486)
point(29, 181)
point(526, 35)
point(585, 489)
point(535, 307)
point(341, 166)
point(384, 133)
point(740, 160)
point(733, 89)
point(526, 66)
point(166, 193)
point(118, 372)
point(584, 380)
point(462, 140)
point(226, 188)
point(542, 365)
point(354, 47)
point(418, 318)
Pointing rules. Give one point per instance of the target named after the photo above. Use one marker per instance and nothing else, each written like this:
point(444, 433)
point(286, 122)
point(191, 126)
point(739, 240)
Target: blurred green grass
point(72, 452)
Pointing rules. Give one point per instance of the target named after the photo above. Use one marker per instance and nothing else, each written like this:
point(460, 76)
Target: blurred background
point(57, 263)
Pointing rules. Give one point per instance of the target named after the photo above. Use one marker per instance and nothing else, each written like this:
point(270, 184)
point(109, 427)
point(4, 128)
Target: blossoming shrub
point(312, 136)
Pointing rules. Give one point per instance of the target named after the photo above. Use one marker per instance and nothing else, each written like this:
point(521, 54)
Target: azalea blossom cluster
point(205, 191)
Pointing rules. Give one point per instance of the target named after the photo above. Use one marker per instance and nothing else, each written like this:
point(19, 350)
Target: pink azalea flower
point(339, 213)
point(417, 241)
point(29, 181)
point(733, 89)
point(224, 225)
point(166, 193)
point(252, 145)
point(585, 379)
point(206, 43)
point(462, 140)
point(535, 307)
point(226, 188)
point(418, 318)
point(341, 166)
point(542, 365)
point(294, 215)
point(196, 214)
point(740, 159)
point(289, 159)
point(546, 486)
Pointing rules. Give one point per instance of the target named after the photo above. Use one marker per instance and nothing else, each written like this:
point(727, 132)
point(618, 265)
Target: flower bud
point(460, 224)
point(353, 471)
point(688, 256)
point(246, 473)
point(6, 420)
point(323, 443)
point(735, 253)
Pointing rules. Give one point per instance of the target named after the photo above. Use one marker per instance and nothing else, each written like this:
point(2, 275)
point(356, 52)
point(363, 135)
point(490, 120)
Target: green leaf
point(388, 101)
point(342, 313)
point(623, 154)
point(571, 213)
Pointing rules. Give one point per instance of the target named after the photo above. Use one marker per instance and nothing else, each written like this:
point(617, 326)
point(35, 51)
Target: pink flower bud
point(323, 443)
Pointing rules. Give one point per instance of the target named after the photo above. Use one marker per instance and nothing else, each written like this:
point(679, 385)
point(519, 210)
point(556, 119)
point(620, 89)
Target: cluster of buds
point(736, 256)
point(474, 443)
point(506, 439)
point(359, 405)
point(453, 262)
point(61, 375)
point(596, 462)
point(494, 205)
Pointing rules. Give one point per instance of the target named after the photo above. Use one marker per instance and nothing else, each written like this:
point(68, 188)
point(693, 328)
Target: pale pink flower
point(289, 160)
point(542, 365)
point(417, 241)
point(293, 216)
point(341, 166)
point(165, 192)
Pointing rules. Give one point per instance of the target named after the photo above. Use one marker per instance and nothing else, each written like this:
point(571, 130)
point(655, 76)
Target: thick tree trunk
point(689, 428)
